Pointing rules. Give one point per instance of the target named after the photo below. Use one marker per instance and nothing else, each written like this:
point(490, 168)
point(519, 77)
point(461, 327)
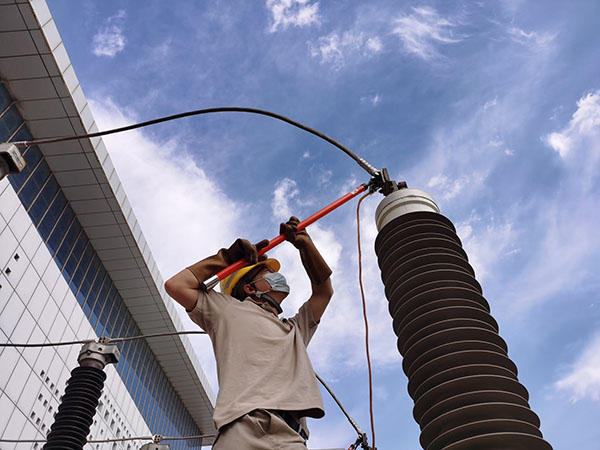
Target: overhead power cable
point(361, 162)
point(156, 438)
point(104, 340)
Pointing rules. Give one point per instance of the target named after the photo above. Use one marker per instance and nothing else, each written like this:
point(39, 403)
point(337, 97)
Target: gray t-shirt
point(261, 360)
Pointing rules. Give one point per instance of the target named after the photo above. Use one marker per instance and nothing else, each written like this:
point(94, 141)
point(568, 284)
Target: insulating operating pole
point(464, 386)
point(78, 406)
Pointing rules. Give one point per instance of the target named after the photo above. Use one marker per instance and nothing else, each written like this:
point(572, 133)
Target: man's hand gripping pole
point(215, 279)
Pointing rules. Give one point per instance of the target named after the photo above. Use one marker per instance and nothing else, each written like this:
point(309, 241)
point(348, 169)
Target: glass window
point(68, 242)
point(50, 220)
point(11, 120)
point(23, 134)
point(35, 182)
point(108, 304)
point(60, 230)
point(43, 200)
point(5, 98)
point(114, 319)
point(132, 378)
point(86, 285)
point(121, 322)
point(94, 292)
point(99, 301)
point(78, 247)
point(82, 268)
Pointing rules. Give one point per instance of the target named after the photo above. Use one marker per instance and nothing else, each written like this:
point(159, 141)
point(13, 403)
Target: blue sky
point(491, 107)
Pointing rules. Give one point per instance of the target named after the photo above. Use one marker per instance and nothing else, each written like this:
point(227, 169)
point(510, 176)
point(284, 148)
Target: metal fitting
point(155, 447)
point(11, 160)
point(98, 355)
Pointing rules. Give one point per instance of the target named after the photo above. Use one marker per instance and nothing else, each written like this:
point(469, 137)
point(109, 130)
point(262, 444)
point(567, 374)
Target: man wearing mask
point(266, 382)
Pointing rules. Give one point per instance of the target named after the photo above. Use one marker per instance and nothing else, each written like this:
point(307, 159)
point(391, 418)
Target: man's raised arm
point(316, 268)
point(183, 287)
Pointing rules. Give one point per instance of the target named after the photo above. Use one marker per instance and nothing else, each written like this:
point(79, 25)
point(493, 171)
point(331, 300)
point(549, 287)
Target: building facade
point(75, 265)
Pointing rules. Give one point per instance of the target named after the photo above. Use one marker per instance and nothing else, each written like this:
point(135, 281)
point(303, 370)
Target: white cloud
point(487, 243)
point(490, 103)
point(298, 13)
point(565, 224)
point(582, 130)
point(374, 99)
point(536, 38)
point(422, 30)
point(285, 190)
point(182, 212)
point(583, 381)
point(447, 189)
point(336, 48)
point(109, 40)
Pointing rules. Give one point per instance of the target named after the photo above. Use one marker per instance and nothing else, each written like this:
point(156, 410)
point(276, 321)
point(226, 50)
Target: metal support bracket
point(381, 181)
point(98, 354)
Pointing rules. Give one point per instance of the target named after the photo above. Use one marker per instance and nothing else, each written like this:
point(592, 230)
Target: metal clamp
point(98, 354)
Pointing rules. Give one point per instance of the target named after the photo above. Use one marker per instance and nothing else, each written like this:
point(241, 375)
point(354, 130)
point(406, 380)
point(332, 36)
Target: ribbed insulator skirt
point(77, 409)
point(465, 388)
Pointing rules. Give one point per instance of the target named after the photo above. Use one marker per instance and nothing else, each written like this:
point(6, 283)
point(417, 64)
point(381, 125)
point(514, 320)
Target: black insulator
point(77, 409)
point(465, 388)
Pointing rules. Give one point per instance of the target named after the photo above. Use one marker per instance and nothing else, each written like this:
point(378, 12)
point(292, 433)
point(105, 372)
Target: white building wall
point(36, 305)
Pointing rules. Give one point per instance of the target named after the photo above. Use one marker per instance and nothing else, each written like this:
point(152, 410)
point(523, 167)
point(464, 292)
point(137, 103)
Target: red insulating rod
point(214, 280)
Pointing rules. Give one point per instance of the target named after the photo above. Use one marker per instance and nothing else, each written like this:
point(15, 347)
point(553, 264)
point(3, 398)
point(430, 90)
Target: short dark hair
point(238, 290)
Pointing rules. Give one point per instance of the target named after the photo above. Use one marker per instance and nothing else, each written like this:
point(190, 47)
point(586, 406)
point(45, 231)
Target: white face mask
point(276, 281)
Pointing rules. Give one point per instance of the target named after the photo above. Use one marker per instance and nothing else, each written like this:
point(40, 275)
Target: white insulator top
point(403, 201)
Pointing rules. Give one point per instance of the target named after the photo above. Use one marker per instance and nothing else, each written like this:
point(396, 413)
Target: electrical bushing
point(465, 388)
point(82, 393)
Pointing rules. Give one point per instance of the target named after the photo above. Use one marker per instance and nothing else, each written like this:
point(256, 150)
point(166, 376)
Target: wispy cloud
point(335, 48)
point(285, 190)
point(583, 381)
point(565, 226)
point(487, 242)
point(537, 38)
point(422, 31)
point(373, 99)
point(297, 13)
point(582, 134)
point(109, 40)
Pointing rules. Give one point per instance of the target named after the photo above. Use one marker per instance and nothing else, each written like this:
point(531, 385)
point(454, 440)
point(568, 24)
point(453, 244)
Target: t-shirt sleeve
point(305, 322)
point(209, 307)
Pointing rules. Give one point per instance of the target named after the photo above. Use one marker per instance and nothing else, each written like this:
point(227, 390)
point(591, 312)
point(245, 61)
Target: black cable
point(105, 340)
point(361, 162)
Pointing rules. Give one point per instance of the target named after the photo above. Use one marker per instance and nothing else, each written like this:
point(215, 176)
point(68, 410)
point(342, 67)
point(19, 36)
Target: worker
point(267, 386)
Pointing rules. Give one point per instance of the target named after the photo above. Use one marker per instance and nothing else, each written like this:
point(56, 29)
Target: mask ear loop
point(270, 300)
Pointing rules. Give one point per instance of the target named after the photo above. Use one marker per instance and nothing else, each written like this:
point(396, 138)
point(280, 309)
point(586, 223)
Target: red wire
point(364, 305)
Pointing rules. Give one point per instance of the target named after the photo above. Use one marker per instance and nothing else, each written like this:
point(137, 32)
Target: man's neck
point(265, 305)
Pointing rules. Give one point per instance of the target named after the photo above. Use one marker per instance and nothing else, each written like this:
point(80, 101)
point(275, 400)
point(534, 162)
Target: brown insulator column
point(78, 406)
point(465, 387)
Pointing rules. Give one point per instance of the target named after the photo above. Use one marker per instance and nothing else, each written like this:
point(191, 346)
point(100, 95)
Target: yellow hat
point(229, 283)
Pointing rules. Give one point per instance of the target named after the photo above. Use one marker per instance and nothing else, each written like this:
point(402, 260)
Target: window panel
point(35, 182)
point(51, 218)
point(76, 253)
point(68, 242)
point(23, 134)
point(108, 303)
point(11, 120)
point(43, 200)
point(82, 268)
point(99, 301)
point(5, 98)
point(60, 230)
